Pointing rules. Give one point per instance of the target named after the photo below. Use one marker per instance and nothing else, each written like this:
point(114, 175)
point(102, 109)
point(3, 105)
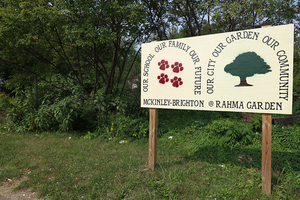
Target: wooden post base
point(153, 125)
point(266, 153)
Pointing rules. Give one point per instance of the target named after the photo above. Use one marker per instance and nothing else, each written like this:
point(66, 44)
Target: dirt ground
point(7, 193)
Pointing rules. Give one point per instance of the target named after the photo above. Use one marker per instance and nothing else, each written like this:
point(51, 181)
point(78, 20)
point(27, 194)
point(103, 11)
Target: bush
point(287, 137)
point(69, 111)
point(124, 126)
point(60, 115)
point(230, 133)
point(256, 123)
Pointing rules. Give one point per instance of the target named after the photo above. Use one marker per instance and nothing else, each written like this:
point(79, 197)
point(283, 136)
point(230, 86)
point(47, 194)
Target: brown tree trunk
point(243, 83)
point(36, 105)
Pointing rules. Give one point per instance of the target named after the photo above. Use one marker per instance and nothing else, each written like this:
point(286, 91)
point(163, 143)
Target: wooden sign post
point(266, 153)
point(153, 124)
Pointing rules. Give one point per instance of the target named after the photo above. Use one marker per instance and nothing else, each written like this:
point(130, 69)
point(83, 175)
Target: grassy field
point(207, 157)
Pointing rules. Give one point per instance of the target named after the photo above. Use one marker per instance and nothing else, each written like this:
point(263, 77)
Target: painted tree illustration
point(246, 65)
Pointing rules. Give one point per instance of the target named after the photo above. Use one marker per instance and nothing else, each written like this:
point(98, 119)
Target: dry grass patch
point(8, 191)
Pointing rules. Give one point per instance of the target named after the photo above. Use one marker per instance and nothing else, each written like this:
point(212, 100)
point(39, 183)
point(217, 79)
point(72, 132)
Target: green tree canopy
point(89, 42)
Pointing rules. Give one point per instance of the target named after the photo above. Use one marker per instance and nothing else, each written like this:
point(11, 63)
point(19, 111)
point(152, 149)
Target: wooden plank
point(266, 153)
point(153, 125)
point(285, 120)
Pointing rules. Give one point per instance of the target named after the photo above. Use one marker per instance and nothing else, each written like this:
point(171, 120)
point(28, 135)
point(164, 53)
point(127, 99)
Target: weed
point(230, 132)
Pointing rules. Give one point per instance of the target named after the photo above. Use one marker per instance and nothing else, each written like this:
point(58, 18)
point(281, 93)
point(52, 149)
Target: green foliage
point(207, 17)
point(4, 102)
point(287, 184)
point(68, 110)
point(236, 15)
point(256, 123)
point(288, 137)
point(231, 133)
point(112, 103)
point(60, 115)
point(87, 42)
point(122, 126)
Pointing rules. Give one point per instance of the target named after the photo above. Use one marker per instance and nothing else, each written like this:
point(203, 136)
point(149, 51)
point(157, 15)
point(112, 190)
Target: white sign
point(241, 71)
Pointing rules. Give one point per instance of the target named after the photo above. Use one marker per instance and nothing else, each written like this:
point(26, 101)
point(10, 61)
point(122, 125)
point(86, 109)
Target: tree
point(156, 12)
point(192, 16)
point(246, 65)
point(235, 15)
point(88, 42)
point(202, 17)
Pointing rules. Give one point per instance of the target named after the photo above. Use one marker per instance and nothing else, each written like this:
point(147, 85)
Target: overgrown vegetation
point(102, 114)
point(195, 160)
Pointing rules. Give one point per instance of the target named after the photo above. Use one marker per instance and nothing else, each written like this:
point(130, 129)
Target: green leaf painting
point(246, 65)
